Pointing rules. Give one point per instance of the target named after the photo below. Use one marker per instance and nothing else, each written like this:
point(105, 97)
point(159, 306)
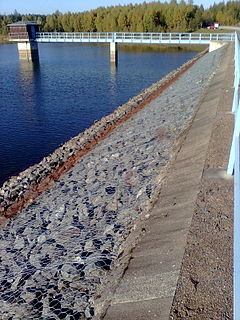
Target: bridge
point(27, 35)
point(135, 37)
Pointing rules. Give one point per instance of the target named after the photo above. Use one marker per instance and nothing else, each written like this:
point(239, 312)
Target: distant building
point(215, 26)
point(23, 30)
point(24, 33)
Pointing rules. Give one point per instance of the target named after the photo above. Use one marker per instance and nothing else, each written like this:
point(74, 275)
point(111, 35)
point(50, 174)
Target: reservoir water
point(43, 105)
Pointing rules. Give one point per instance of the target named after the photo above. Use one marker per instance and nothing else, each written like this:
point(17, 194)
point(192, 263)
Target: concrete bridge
point(27, 36)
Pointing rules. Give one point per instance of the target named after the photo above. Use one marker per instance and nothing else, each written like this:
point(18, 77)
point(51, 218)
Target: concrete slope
point(148, 286)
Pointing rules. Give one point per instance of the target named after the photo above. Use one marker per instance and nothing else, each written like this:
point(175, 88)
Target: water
point(44, 105)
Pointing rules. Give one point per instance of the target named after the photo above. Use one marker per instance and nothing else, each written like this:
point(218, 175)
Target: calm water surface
point(44, 105)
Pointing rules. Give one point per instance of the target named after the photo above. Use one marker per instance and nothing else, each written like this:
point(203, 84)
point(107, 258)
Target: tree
point(89, 22)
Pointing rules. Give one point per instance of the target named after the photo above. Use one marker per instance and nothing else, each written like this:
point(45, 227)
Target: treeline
point(156, 16)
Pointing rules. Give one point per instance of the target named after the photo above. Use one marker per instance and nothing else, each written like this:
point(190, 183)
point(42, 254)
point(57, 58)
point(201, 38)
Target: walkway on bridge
point(133, 37)
point(171, 269)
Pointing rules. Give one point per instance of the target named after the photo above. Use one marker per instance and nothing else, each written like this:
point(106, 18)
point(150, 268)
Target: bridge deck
point(131, 37)
point(128, 37)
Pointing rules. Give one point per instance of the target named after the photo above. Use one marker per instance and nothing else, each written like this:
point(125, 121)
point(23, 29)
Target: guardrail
point(234, 167)
point(135, 37)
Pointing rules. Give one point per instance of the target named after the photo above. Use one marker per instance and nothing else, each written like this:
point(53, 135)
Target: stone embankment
point(58, 252)
point(21, 190)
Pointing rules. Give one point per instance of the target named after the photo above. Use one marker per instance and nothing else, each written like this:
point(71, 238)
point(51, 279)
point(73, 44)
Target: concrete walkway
point(148, 286)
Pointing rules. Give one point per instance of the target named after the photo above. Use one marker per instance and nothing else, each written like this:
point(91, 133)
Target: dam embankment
point(21, 190)
point(61, 249)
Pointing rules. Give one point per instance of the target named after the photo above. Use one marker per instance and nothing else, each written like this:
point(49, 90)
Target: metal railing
point(234, 167)
point(235, 106)
point(135, 37)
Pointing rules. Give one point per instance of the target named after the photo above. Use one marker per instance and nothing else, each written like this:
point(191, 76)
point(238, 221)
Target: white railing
point(135, 37)
point(235, 105)
point(234, 167)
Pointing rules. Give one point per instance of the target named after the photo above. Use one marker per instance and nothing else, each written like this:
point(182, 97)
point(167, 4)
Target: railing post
point(236, 75)
point(234, 165)
point(236, 240)
point(235, 108)
point(231, 163)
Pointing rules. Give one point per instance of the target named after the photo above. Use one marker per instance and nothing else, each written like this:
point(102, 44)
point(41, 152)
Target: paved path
point(204, 288)
point(230, 28)
point(148, 287)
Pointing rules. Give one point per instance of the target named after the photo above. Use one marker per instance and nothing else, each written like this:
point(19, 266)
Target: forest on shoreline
point(176, 16)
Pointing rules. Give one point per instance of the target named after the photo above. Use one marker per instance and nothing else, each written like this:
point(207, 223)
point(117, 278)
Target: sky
point(49, 6)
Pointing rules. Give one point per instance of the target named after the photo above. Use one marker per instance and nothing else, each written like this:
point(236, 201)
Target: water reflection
point(114, 67)
point(31, 92)
point(114, 64)
point(113, 78)
point(30, 80)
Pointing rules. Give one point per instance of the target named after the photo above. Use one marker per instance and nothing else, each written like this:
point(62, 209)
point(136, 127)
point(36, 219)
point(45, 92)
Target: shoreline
point(19, 191)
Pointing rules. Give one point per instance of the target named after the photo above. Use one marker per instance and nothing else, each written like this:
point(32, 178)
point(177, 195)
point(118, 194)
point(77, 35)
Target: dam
point(114, 237)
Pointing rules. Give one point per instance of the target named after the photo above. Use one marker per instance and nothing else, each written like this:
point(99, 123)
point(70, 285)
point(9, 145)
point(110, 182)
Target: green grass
point(161, 48)
point(152, 47)
point(3, 39)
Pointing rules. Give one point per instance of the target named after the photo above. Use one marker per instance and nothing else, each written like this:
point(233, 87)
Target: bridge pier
point(28, 51)
point(114, 52)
